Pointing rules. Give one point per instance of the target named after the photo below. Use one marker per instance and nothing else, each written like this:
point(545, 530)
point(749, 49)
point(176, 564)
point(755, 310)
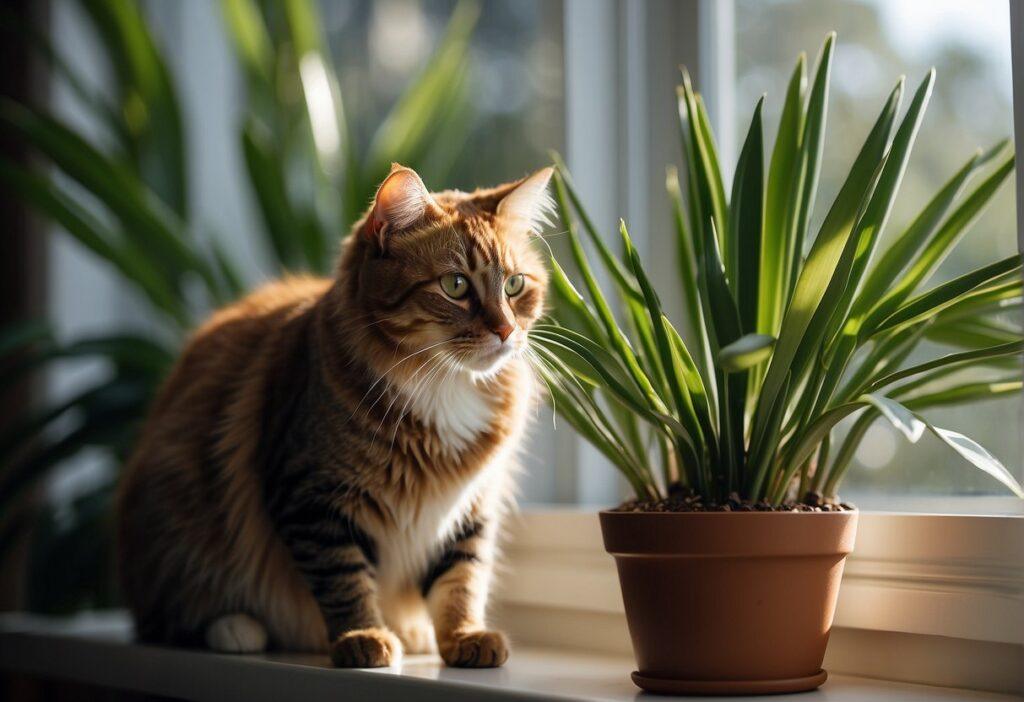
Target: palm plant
point(781, 345)
point(124, 198)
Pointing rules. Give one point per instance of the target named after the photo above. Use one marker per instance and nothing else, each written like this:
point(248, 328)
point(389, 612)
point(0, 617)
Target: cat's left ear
point(402, 202)
point(529, 203)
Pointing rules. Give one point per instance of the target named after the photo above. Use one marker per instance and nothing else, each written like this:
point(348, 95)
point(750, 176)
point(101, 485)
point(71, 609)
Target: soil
point(682, 501)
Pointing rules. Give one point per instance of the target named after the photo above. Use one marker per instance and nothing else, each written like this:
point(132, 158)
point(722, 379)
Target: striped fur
point(330, 458)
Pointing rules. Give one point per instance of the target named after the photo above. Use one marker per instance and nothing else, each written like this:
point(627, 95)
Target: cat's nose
point(503, 330)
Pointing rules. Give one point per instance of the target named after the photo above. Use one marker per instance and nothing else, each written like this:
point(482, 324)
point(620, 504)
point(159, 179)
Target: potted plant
point(731, 554)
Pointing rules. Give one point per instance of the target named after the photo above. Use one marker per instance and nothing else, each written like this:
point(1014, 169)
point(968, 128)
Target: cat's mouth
point(489, 357)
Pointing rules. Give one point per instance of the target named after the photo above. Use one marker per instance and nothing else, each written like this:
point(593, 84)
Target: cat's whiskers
point(384, 375)
point(398, 392)
point(450, 363)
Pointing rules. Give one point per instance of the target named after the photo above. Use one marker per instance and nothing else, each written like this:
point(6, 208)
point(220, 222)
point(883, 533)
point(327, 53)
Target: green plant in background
point(782, 344)
point(124, 198)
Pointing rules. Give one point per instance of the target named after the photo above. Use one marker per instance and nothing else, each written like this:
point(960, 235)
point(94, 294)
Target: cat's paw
point(366, 648)
point(236, 633)
point(417, 638)
point(475, 649)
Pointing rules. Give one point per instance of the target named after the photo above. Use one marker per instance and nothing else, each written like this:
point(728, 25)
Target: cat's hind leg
point(236, 633)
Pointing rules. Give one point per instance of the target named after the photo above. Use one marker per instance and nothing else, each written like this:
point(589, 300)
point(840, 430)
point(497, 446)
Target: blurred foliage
point(124, 198)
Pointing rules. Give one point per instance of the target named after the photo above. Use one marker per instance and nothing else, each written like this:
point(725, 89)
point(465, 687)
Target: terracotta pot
point(729, 603)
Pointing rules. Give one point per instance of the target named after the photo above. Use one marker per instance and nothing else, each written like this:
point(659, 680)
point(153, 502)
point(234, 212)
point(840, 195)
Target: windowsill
point(935, 599)
point(96, 649)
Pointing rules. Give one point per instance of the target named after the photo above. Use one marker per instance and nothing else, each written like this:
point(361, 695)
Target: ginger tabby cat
point(327, 464)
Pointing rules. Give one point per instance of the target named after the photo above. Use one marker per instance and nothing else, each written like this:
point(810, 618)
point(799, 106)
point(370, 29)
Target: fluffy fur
point(326, 466)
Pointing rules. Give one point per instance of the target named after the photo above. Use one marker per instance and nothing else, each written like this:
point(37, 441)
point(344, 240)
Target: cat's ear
point(402, 201)
point(529, 203)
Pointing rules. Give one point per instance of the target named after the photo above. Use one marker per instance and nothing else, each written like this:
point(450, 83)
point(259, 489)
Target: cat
point(326, 466)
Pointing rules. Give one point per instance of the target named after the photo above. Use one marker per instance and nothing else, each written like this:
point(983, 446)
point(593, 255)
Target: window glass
point(971, 107)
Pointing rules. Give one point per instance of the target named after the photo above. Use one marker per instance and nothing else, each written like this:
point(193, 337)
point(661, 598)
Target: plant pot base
point(669, 686)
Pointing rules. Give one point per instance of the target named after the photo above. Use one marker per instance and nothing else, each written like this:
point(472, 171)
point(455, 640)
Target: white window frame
point(933, 598)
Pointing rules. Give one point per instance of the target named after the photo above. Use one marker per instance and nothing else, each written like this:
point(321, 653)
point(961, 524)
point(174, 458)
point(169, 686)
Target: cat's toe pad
point(366, 648)
point(236, 633)
point(475, 649)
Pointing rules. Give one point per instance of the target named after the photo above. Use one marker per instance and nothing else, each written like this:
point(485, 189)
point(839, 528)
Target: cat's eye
point(455, 285)
point(514, 285)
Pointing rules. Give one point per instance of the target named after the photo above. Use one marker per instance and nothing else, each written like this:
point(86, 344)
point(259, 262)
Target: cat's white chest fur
point(458, 408)
point(454, 405)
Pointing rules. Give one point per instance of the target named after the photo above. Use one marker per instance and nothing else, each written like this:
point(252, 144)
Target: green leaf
point(899, 416)
point(953, 360)
point(703, 172)
point(745, 219)
point(876, 213)
point(927, 305)
point(971, 333)
point(604, 313)
point(746, 352)
point(964, 393)
point(571, 301)
point(976, 454)
point(899, 254)
point(778, 237)
point(812, 143)
point(956, 395)
point(676, 382)
point(686, 250)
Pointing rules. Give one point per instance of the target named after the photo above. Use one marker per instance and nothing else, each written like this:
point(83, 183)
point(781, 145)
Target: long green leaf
point(777, 240)
point(876, 214)
point(953, 360)
point(812, 143)
point(746, 214)
point(927, 305)
point(976, 454)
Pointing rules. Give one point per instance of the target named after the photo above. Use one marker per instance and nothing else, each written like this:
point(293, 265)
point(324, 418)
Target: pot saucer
point(669, 686)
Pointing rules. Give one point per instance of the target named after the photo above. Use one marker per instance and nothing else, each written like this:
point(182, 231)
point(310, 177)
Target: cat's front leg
point(337, 560)
point(456, 589)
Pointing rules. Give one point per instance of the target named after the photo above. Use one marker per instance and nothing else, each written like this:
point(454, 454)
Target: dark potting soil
point(681, 501)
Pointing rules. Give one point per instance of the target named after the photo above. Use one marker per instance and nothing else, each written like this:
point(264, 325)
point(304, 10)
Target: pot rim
point(722, 534)
point(618, 513)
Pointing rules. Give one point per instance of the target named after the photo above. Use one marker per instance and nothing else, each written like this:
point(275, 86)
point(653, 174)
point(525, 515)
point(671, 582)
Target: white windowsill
point(97, 649)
